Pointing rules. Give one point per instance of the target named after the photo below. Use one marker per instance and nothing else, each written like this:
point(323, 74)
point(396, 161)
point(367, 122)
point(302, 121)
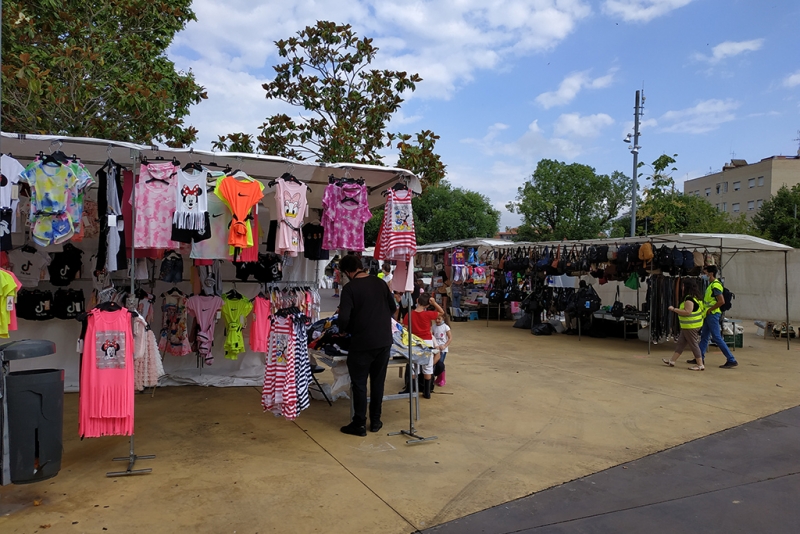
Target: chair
point(315, 369)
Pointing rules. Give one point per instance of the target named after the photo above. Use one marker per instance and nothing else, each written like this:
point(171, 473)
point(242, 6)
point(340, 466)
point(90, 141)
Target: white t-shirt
point(10, 169)
point(27, 266)
point(440, 334)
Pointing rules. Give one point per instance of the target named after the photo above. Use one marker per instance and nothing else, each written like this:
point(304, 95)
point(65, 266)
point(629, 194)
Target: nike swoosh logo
point(216, 215)
point(241, 195)
point(206, 310)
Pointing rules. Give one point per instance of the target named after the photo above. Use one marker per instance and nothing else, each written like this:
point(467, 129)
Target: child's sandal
point(697, 368)
point(668, 362)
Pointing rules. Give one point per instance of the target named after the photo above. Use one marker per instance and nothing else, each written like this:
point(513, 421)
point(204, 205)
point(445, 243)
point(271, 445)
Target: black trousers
point(363, 364)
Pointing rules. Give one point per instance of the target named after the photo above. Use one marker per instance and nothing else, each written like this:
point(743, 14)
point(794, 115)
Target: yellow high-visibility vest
point(695, 320)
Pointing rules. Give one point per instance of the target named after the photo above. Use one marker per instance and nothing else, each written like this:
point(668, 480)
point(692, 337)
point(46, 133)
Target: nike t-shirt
point(216, 247)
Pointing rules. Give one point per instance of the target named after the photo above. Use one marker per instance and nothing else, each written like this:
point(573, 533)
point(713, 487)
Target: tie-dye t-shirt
point(155, 206)
point(345, 212)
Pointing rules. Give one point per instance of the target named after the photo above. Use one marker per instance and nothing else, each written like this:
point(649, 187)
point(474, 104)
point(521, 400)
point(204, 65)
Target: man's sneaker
point(729, 365)
point(375, 425)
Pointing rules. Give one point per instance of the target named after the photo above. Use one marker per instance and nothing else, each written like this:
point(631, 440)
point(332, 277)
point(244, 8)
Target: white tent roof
point(715, 242)
point(94, 152)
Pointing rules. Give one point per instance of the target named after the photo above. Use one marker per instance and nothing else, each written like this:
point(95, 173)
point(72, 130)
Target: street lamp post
point(637, 111)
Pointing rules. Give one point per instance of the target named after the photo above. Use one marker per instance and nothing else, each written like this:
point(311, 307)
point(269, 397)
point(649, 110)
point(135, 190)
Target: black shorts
point(68, 303)
point(191, 236)
point(34, 305)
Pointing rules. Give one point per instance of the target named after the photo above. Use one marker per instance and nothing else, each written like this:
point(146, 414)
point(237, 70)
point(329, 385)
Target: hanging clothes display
point(204, 308)
point(65, 265)
point(241, 197)
point(10, 170)
point(155, 206)
point(68, 303)
point(396, 237)
point(345, 207)
point(107, 375)
point(235, 310)
point(190, 223)
point(313, 237)
point(174, 339)
point(292, 208)
point(146, 358)
point(110, 251)
point(302, 365)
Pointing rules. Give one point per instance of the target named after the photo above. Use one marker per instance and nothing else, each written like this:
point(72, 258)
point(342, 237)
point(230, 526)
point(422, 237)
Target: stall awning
point(715, 242)
point(94, 152)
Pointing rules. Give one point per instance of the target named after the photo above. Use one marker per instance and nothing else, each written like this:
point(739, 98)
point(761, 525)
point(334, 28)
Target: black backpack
point(688, 261)
point(587, 301)
point(677, 257)
point(664, 257)
point(728, 296)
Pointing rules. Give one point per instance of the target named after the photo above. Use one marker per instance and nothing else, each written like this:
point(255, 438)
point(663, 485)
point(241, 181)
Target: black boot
point(407, 380)
point(426, 391)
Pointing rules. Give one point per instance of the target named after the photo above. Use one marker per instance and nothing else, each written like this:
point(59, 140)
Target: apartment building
point(743, 187)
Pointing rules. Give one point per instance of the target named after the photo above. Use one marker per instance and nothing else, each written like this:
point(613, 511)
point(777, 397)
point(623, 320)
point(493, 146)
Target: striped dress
point(302, 366)
point(397, 238)
point(279, 394)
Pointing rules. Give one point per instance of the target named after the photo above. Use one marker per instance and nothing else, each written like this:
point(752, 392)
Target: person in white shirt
point(386, 273)
point(441, 340)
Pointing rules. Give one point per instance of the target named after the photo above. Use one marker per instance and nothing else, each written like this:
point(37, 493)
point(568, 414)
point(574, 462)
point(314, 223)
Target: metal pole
point(786, 286)
point(635, 175)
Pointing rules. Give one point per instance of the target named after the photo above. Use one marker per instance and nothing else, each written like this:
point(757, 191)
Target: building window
point(751, 183)
point(724, 206)
point(759, 202)
point(736, 208)
point(708, 191)
point(760, 181)
point(737, 186)
point(751, 205)
point(722, 187)
point(717, 207)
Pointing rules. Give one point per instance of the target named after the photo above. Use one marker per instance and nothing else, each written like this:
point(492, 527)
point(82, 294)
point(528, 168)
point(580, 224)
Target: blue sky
point(507, 83)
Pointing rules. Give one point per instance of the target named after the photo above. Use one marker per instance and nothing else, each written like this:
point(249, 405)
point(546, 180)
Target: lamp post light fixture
point(634, 148)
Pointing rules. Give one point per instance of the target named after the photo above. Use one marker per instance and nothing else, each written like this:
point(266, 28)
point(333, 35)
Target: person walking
point(690, 315)
point(712, 301)
point(365, 312)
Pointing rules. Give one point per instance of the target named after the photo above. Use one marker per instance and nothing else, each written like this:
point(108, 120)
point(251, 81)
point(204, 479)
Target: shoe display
point(729, 365)
point(375, 426)
point(354, 429)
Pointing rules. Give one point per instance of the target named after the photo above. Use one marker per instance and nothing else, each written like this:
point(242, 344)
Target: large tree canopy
point(445, 213)
point(96, 68)
point(568, 201)
point(349, 104)
point(778, 217)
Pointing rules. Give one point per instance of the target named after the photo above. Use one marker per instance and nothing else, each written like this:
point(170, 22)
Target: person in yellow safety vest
point(711, 328)
point(690, 314)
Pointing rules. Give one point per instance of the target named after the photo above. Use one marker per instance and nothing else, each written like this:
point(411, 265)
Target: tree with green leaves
point(778, 217)
point(349, 104)
point(445, 213)
point(96, 68)
point(664, 209)
point(569, 201)
point(235, 142)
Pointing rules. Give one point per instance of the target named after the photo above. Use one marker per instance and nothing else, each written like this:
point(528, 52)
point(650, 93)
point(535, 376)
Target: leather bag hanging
point(646, 251)
point(617, 309)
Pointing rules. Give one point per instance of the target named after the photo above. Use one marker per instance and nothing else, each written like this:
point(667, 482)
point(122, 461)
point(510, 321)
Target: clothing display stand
point(411, 432)
point(132, 456)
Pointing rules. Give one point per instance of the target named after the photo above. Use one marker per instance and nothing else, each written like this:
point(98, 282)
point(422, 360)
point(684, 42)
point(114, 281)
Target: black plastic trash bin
point(34, 403)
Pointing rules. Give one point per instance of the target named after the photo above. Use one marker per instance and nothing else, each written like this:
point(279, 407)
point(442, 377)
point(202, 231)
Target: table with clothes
point(329, 346)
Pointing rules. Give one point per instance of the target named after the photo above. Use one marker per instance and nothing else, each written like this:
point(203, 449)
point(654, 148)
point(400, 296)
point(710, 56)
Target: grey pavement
point(745, 479)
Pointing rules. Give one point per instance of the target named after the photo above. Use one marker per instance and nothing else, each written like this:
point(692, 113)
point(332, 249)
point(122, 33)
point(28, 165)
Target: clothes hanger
point(193, 165)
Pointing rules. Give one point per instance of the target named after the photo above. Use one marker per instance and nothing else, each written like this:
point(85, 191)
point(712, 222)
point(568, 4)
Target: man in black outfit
point(365, 312)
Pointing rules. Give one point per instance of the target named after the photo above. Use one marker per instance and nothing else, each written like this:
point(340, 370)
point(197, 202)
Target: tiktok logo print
point(110, 347)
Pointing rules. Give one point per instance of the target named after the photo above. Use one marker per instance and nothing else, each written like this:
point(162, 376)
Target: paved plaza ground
point(519, 414)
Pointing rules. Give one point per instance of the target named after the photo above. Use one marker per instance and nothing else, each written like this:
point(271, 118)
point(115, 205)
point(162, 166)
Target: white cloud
point(641, 10)
point(575, 125)
point(570, 86)
point(446, 42)
point(706, 116)
point(730, 49)
point(793, 80)
point(529, 148)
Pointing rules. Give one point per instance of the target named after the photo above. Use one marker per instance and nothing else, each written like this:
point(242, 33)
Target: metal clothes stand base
point(411, 432)
point(131, 459)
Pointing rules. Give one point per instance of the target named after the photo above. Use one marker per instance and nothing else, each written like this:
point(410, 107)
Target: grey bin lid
point(26, 348)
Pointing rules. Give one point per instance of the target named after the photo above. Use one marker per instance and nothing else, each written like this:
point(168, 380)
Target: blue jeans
point(456, 292)
point(711, 329)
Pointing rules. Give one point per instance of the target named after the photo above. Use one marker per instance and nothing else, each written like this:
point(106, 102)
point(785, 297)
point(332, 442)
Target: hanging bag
point(646, 251)
point(617, 309)
point(632, 281)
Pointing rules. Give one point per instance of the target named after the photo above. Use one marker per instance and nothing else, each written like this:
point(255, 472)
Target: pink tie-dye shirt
point(345, 212)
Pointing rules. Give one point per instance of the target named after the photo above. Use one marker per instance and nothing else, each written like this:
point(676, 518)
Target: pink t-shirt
point(205, 308)
point(346, 210)
point(260, 327)
point(155, 206)
point(290, 200)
